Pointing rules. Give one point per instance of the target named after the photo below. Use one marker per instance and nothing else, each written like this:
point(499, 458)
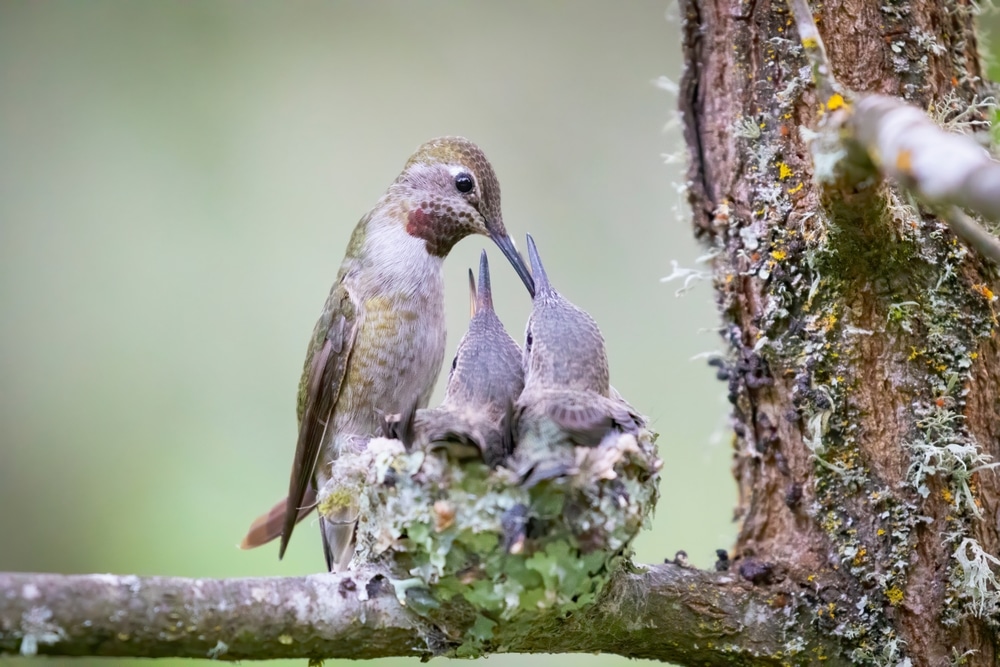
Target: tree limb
point(899, 141)
point(666, 612)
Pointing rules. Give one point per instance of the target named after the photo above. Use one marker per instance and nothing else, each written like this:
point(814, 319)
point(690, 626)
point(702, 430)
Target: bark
point(863, 353)
point(666, 613)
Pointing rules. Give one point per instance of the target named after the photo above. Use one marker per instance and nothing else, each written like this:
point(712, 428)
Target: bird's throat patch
point(436, 226)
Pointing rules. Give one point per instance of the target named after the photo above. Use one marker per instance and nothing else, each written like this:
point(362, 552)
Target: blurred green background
point(177, 185)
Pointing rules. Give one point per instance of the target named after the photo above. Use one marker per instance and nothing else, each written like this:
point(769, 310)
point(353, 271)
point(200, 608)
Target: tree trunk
point(864, 361)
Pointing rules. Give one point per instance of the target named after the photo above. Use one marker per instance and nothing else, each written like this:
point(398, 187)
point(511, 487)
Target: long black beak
point(506, 245)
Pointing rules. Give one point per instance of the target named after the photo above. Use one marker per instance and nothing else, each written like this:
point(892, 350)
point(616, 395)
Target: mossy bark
point(864, 359)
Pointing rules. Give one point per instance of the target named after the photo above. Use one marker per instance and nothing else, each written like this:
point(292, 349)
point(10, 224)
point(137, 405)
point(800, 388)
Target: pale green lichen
point(944, 450)
point(220, 649)
point(974, 580)
point(37, 629)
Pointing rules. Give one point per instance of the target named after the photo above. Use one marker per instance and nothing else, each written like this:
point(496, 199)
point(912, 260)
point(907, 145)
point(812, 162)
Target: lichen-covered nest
point(444, 528)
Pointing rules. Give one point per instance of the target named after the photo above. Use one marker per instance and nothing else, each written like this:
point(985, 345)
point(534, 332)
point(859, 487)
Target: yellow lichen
point(835, 102)
point(784, 171)
point(779, 254)
point(338, 499)
point(894, 595)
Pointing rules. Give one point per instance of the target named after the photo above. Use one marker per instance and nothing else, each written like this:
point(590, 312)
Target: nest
point(445, 528)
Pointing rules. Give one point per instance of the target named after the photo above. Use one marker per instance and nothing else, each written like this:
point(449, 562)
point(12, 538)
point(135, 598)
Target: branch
point(899, 141)
point(943, 168)
point(667, 613)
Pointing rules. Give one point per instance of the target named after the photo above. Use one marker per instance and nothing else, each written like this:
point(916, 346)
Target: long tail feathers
point(268, 526)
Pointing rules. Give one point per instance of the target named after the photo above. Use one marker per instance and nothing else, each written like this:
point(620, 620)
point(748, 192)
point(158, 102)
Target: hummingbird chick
point(567, 402)
point(486, 378)
point(380, 339)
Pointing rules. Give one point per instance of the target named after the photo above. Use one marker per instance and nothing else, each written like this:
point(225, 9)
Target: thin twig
point(973, 234)
point(812, 43)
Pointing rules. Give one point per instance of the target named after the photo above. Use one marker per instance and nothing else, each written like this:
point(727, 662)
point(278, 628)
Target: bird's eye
point(528, 340)
point(464, 182)
point(454, 363)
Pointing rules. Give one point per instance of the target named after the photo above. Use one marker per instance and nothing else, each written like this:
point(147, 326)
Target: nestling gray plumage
point(567, 400)
point(486, 378)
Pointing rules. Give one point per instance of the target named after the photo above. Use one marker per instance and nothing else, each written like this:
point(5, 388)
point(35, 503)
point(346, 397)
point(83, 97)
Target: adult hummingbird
point(567, 400)
point(379, 342)
point(486, 378)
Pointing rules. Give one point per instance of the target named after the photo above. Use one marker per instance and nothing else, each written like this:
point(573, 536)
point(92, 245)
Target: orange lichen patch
point(859, 557)
point(444, 515)
point(848, 460)
point(894, 595)
point(984, 292)
point(947, 496)
point(830, 609)
point(904, 161)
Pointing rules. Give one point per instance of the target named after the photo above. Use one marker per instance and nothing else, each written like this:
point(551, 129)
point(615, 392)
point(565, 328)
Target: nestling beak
point(506, 245)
